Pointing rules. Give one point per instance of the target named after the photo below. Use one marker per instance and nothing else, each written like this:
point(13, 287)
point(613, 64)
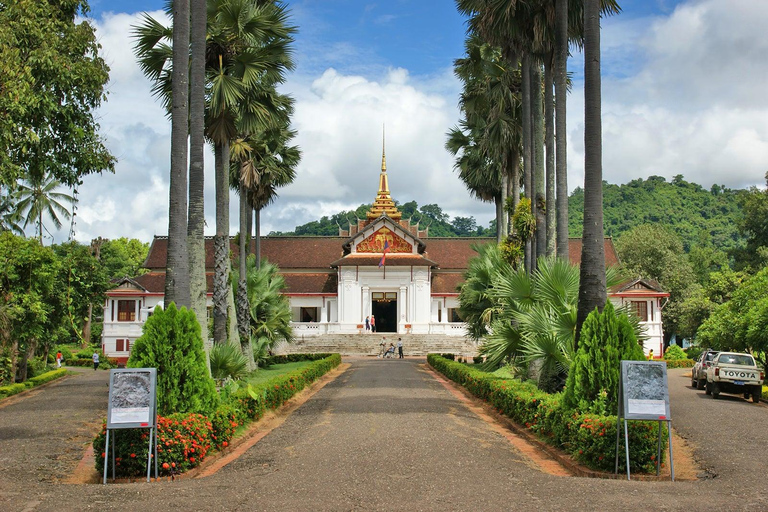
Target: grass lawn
point(264, 374)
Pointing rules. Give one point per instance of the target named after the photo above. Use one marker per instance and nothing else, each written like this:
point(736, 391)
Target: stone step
point(368, 344)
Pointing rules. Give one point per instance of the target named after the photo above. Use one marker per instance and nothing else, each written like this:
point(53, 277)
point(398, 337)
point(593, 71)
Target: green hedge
point(13, 389)
point(104, 364)
point(293, 358)
point(681, 363)
point(589, 438)
point(185, 439)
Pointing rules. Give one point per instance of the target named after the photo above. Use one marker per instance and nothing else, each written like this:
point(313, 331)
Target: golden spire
point(383, 151)
point(383, 202)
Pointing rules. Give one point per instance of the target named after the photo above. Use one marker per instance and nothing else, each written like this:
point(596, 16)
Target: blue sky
point(683, 93)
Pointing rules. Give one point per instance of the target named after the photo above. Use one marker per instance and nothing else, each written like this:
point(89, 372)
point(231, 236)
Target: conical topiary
point(171, 342)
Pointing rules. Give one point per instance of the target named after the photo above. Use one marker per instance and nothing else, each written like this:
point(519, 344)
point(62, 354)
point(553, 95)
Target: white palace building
point(383, 266)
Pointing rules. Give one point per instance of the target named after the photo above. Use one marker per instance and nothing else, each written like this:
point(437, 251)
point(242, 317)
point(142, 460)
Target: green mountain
point(696, 215)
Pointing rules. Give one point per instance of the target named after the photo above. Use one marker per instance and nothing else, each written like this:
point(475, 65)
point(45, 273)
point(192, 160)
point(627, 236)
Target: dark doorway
point(385, 312)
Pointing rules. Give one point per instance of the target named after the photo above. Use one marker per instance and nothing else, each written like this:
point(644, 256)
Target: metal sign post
point(132, 404)
point(644, 395)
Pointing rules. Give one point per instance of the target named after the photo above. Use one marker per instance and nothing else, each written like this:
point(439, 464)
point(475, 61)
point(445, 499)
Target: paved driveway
point(386, 435)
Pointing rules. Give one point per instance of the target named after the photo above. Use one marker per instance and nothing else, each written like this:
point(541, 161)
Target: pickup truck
point(732, 372)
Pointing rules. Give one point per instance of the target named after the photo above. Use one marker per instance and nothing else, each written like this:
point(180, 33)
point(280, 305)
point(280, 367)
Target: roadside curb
point(565, 461)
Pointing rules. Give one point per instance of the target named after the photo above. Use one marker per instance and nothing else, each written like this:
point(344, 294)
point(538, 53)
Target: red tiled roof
point(293, 252)
point(393, 260)
point(311, 283)
point(285, 252)
point(446, 283)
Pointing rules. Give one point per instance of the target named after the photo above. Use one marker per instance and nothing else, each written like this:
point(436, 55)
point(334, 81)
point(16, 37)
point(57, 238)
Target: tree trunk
point(221, 245)
point(257, 236)
point(21, 370)
point(515, 181)
point(561, 135)
point(196, 227)
point(592, 292)
point(177, 266)
point(526, 122)
point(539, 176)
point(87, 325)
point(549, 129)
point(243, 308)
point(499, 218)
point(504, 231)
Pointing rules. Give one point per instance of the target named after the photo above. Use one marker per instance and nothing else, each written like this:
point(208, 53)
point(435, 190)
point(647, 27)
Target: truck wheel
point(715, 390)
point(694, 382)
point(756, 394)
point(701, 383)
point(708, 388)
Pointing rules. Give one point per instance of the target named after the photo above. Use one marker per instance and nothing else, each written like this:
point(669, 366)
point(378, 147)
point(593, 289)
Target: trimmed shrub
point(171, 342)
point(48, 376)
point(674, 353)
point(606, 339)
point(589, 438)
point(13, 389)
point(294, 358)
point(681, 363)
point(185, 439)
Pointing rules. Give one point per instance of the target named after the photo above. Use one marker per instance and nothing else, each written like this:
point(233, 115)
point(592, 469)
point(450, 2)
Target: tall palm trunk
point(515, 181)
point(539, 177)
point(257, 236)
point(243, 307)
point(592, 291)
point(177, 266)
point(221, 244)
point(561, 135)
point(196, 226)
point(500, 216)
point(527, 153)
point(549, 135)
point(504, 231)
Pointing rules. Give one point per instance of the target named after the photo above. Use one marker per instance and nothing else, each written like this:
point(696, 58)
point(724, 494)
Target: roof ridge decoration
point(383, 204)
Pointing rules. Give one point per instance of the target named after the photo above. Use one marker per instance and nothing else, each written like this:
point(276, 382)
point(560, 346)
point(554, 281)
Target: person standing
point(382, 347)
point(367, 324)
point(400, 348)
point(59, 357)
point(95, 360)
point(373, 323)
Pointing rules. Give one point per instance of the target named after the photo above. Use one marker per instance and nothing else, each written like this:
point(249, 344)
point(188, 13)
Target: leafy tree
point(82, 283)
point(28, 274)
point(123, 257)
point(755, 227)
point(476, 304)
point(654, 252)
point(172, 343)
point(270, 309)
point(464, 226)
point(606, 339)
point(741, 323)
point(52, 80)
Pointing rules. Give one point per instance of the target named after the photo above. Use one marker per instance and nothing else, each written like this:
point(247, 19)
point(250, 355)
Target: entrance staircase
point(368, 344)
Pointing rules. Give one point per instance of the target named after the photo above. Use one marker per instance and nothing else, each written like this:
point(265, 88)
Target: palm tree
point(196, 214)
point(561, 132)
point(177, 266)
point(248, 48)
point(476, 303)
point(9, 214)
point(37, 196)
point(489, 137)
point(270, 310)
point(592, 287)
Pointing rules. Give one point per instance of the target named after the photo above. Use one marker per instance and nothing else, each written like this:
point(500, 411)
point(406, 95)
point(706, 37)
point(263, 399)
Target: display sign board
point(644, 391)
point(132, 393)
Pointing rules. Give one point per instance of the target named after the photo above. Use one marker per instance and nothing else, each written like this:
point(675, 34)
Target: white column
point(366, 306)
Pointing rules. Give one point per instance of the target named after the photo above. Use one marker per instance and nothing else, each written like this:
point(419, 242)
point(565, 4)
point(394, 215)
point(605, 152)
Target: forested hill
point(696, 215)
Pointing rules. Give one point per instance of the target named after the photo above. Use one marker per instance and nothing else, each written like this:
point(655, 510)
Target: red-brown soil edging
point(85, 472)
point(554, 461)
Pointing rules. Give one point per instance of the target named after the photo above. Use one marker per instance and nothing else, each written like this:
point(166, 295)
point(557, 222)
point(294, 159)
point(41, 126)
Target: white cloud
point(682, 94)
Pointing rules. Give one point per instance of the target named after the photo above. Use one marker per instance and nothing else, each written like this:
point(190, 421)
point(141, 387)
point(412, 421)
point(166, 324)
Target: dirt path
point(385, 435)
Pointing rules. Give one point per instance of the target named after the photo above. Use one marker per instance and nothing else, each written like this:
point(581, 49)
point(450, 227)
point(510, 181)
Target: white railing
point(122, 329)
point(308, 328)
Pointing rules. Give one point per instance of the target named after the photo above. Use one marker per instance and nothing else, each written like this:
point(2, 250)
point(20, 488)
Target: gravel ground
point(383, 436)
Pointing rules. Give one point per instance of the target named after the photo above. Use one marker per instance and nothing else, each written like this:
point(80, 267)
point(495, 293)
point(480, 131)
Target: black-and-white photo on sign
point(644, 389)
point(131, 398)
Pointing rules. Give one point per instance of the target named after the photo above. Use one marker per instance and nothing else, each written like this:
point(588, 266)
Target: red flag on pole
point(384, 256)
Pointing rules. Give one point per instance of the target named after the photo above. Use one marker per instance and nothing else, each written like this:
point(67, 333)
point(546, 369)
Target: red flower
point(225, 444)
point(192, 460)
point(133, 455)
point(165, 465)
